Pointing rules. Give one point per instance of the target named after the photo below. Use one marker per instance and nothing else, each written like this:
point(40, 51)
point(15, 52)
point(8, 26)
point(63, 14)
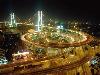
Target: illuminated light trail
point(60, 27)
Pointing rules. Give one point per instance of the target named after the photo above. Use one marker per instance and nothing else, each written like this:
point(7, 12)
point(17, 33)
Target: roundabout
point(55, 39)
point(50, 43)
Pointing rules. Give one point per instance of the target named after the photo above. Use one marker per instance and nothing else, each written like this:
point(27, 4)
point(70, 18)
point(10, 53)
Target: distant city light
point(86, 22)
point(3, 61)
point(60, 27)
point(93, 62)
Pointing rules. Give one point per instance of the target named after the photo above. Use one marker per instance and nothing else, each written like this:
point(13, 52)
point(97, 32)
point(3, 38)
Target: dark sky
point(57, 8)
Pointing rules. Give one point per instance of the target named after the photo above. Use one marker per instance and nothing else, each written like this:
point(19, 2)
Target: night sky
point(58, 8)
